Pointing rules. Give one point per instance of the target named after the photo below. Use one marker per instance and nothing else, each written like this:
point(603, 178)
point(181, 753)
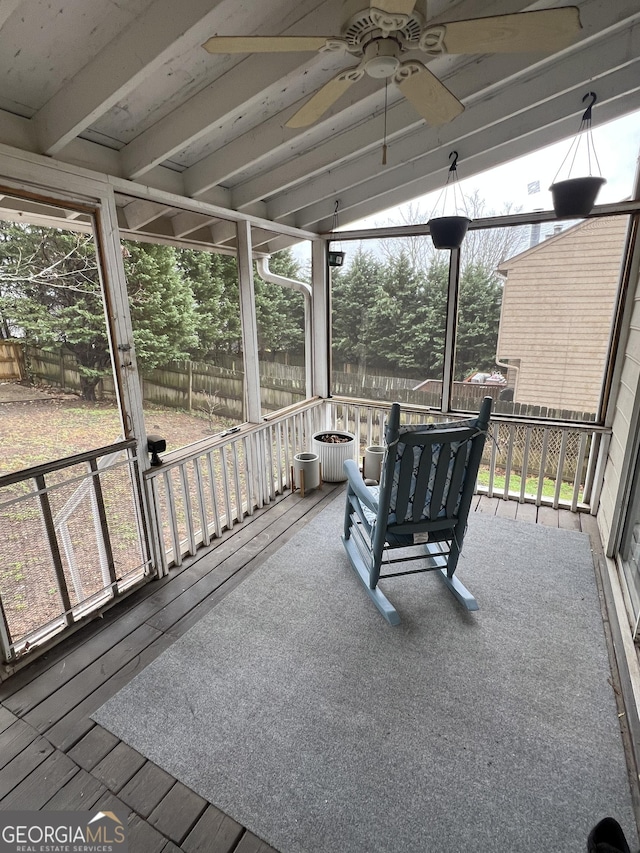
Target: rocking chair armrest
point(357, 486)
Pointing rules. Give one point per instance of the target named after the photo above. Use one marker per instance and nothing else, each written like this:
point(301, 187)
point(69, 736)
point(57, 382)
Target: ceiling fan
point(381, 36)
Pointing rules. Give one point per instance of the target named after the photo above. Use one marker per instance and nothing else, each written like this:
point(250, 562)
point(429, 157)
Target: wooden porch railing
point(61, 530)
point(71, 542)
point(206, 488)
point(558, 464)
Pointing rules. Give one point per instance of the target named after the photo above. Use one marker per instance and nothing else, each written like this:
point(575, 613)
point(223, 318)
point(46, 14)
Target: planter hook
point(587, 113)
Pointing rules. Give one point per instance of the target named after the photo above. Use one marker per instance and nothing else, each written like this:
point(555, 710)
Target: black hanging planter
point(448, 232)
point(335, 259)
point(575, 197)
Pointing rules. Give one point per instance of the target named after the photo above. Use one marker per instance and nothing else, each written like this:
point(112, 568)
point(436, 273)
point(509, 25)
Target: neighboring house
point(557, 313)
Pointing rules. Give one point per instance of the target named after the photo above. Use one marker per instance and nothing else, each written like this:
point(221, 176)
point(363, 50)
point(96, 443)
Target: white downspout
point(265, 273)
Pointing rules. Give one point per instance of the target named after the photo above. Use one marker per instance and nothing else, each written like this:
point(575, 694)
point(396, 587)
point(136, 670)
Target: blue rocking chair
point(420, 509)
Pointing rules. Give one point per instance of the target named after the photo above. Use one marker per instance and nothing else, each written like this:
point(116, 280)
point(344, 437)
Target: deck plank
point(36, 789)
point(93, 747)
point(506, 509)
point(143, 836)
point(250, 843)
point(76, 723)
point(527, 513)
point(146, 788)
point(57, 704)
point(118, 767)
point(80, 793)
point(214, 830)
point(178, 812)
point(548, 516)
point(30, 757)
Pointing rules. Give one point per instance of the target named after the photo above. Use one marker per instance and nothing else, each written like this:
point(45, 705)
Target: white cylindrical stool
point(306, 472)
point(334, 447)
point(372, 463)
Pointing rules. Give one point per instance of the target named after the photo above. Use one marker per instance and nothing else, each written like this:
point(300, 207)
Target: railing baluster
point(281, 466)
point(173, 518)
point(225, 485)
point(578, 477)
point(249, 467)
point(102, 530)
point(560, 469)
point(495, 432)
point(214, 497)
point(188, 510)
point(236, 479)
point(543, 466)
point(54, 550)
point(507, 467)
point(157, 514)
point(525, 464)
point(205, 539)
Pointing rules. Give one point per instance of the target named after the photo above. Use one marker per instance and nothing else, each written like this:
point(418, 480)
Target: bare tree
point(486, 248)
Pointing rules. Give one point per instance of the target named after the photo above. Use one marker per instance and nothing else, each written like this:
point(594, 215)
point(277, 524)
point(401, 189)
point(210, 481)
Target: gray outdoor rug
point(295, 708)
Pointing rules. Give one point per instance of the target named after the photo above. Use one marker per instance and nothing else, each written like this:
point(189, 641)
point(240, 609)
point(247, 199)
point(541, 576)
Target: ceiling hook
point(452, 167)
point(587, 113)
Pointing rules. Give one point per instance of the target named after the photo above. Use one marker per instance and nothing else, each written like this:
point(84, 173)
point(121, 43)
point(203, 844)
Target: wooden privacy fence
point(214, 389)
point(12, 368)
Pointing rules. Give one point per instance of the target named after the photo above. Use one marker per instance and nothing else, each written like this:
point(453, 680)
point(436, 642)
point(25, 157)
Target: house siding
point(621, 458)
point(556, 314)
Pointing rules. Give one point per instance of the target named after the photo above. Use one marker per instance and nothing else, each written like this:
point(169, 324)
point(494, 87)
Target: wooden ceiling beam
point(133, 56)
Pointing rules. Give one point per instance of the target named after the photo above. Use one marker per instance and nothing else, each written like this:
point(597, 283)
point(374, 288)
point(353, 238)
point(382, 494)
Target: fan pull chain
point(384, 137)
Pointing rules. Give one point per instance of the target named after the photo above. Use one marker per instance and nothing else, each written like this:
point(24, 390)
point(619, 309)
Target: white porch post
point(321, 318)
point(249, 328)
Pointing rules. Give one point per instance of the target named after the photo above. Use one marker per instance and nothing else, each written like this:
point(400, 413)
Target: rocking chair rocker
point(421, 507)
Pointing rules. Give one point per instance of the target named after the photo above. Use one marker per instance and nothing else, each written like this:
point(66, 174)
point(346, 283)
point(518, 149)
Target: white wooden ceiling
point(125, 87)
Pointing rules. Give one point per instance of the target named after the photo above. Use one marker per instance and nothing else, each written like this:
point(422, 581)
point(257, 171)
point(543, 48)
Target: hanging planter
point(448, 231)
point(574, 198)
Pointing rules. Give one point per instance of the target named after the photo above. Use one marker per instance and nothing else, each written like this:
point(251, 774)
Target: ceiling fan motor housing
point(364, 25)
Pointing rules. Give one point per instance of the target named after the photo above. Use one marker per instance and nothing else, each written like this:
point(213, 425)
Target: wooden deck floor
point(54, 757)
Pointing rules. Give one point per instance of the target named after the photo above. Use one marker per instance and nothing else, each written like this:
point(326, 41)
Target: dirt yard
point(38, 425)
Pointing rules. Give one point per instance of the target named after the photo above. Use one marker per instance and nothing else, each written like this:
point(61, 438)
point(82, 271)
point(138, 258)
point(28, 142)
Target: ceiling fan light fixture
point(381, 58)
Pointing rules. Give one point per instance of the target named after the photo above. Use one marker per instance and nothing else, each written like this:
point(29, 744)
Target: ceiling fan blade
point(394, 7)
point(545, 31)
point(317, 106)
point(431, 98)
point(263, 44)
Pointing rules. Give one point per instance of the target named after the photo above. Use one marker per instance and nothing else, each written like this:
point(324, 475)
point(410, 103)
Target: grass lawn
point(531, 485)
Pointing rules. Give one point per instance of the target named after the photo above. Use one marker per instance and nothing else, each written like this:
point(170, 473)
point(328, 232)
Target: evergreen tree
point(356, 294)
point(280, 310)
point(213, 279)
point(478, 320)
point(162, 305)
point(401, 321)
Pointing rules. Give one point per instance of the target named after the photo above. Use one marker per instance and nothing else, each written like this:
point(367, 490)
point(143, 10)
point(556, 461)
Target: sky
point(616, 144)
